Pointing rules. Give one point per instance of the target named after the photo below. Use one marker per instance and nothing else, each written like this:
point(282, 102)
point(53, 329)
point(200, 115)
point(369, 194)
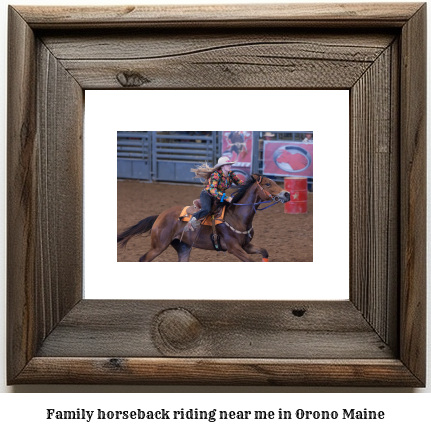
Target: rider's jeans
point(206, 202)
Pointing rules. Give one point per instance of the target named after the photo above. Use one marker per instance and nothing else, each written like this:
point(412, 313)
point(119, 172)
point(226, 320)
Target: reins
point(273, 198)
point(256, 204)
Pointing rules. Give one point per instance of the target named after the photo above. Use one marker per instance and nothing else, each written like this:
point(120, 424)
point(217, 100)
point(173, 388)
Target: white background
point(27, 411)
point(106, 112)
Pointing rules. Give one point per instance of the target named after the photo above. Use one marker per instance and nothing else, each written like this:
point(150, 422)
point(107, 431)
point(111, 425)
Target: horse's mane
point(244, 188)
point(240, 192)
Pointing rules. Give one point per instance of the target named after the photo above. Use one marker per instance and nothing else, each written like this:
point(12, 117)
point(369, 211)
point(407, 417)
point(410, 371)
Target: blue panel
point(183, 173)
point(124, 168)
point(140, 170)
point(165, 171)
point(133, 169)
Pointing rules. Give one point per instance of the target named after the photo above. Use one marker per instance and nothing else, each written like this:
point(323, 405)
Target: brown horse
point(235, 234)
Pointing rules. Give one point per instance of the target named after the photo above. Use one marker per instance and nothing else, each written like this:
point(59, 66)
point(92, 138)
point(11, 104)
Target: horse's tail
point(141, 227)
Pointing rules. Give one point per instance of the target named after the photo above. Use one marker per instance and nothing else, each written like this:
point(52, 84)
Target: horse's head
point(267, 188)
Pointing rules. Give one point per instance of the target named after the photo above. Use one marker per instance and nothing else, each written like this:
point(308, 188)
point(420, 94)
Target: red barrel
point(297, 186)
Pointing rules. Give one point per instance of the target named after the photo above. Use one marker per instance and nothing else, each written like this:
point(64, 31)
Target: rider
point(219, 179)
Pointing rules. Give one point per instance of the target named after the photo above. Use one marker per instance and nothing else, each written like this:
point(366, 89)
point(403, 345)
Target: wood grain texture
point(204, 59)
point(374, 194)
point(197, 371)
point(146, 44)
point(413, 194)
point(44, 195)
point(227, 329)
point(300, 14)
point(392, 303)
point(59, 188)
point(248, 65)
point(21, 197)
point(56, 53)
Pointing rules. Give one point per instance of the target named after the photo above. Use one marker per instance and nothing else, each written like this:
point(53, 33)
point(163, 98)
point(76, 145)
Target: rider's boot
point(192, 225)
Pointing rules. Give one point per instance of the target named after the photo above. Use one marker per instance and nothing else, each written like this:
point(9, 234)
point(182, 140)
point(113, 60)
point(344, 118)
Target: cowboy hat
point(224, 160)
point(269, 134)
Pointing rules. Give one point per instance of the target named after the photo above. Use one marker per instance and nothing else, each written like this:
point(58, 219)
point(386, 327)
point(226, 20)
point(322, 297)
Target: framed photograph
point(302, 248)
point(376, 337)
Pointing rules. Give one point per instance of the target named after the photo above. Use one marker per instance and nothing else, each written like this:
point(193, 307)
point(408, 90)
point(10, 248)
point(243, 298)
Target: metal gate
point(169, 156)
point(164, 156)
point(133, 155)
point(176, 153)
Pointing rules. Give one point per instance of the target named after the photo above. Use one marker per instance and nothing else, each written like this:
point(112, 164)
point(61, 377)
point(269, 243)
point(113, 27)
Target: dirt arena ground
point(286, 237)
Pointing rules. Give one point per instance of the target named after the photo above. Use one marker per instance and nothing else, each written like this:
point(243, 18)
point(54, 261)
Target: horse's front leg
point(182, 249)
point(239, 252)
point(234, 247)
point(253, 249)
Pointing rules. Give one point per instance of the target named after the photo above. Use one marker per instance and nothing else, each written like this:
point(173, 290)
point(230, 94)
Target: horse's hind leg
point(252, 249)
point(158, 246)
point(182, 249)
point(162, 233)
point(151, 254)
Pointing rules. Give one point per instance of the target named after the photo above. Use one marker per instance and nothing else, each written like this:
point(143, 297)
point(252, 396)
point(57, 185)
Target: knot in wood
point(131, 79)
point(178, 329)
point(115, 363)
point(298, 312)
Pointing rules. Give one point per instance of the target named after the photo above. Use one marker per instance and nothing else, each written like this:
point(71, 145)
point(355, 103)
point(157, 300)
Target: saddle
point(187, 212)
point(195, 207)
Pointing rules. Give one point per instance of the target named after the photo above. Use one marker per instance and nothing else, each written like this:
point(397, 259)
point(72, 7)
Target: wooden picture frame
point(376, 338)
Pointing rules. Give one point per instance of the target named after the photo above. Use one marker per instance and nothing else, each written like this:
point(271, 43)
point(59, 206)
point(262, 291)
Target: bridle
point(274, 198)
point(269, 195)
